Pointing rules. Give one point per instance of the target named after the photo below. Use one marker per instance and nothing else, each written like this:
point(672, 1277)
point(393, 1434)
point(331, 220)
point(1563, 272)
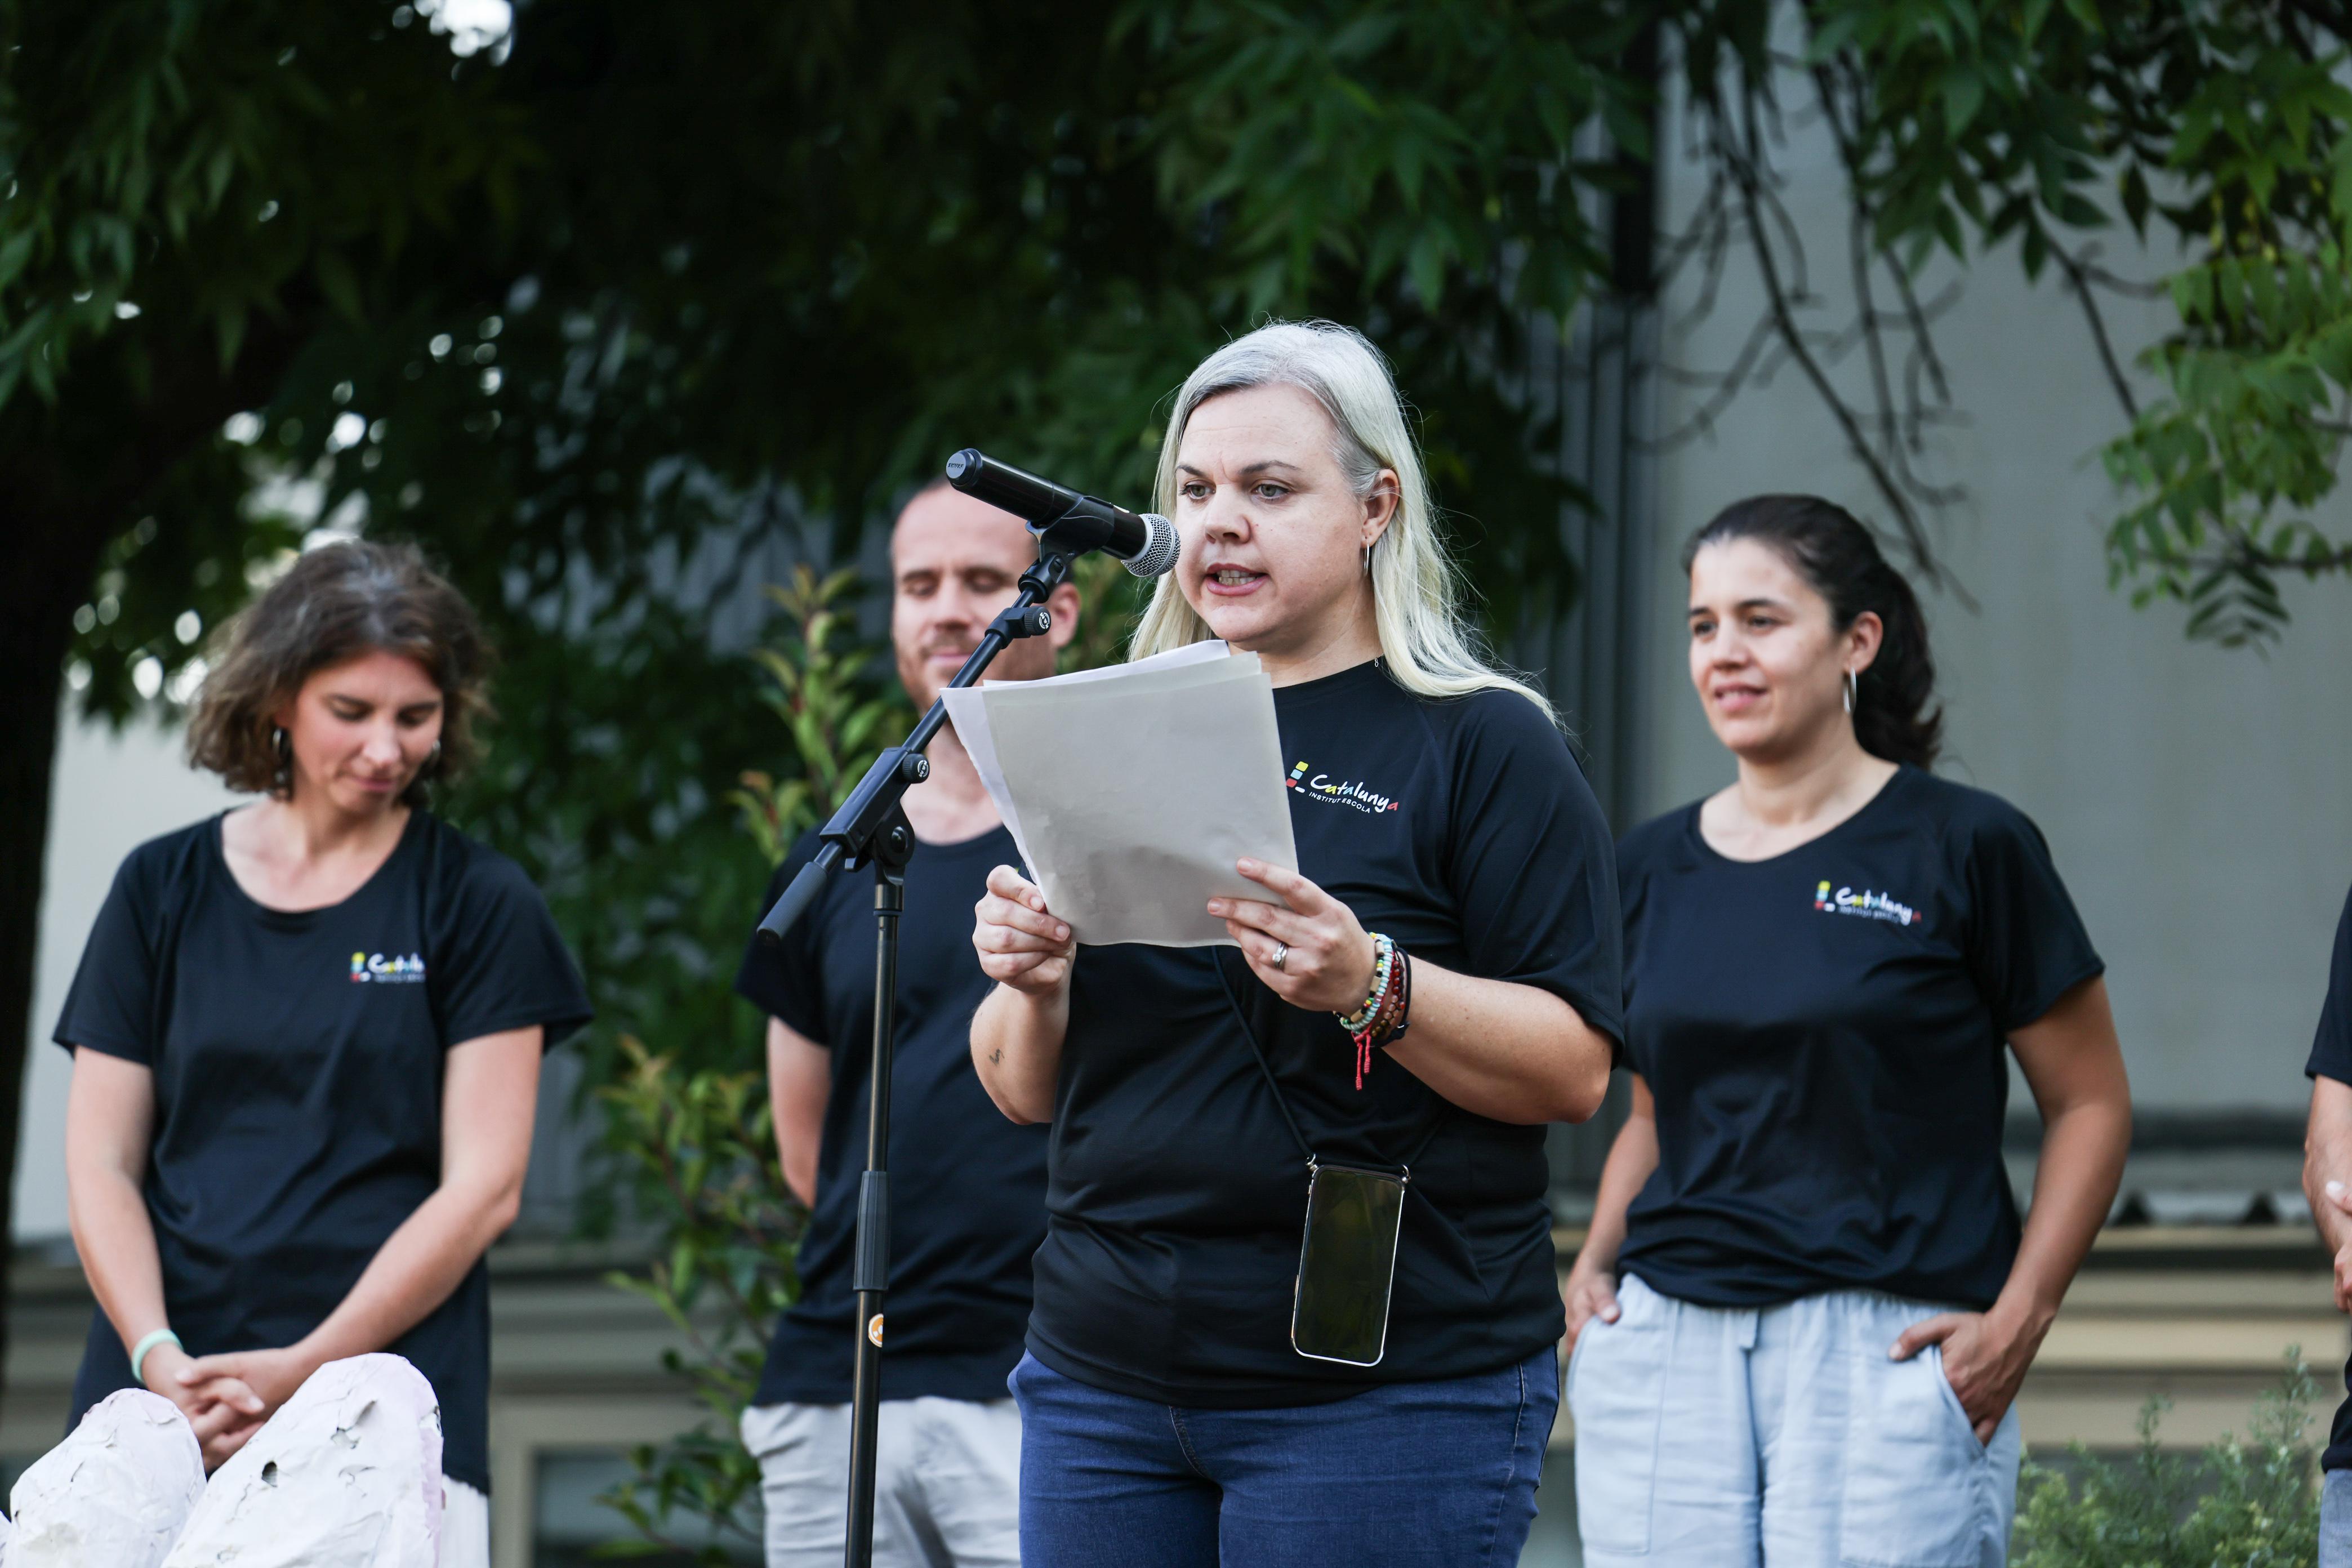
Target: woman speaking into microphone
point(1296, 1301)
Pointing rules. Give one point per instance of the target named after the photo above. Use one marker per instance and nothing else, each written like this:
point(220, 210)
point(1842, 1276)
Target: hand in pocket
point(1985, 1361)
point(1588, 1295)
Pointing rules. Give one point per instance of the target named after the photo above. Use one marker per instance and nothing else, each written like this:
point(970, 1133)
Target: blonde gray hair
point(1428, 644)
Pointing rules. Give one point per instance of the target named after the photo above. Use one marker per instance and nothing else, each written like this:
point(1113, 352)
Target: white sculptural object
point(117, 1490)
point(346, 1474)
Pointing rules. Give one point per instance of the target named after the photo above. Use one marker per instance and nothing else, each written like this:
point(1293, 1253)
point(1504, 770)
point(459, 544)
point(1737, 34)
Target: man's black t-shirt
point(967, 1187)
point(1823, 1033)
point(298, 1070)
point(2331, 1056)
point(1461, 828)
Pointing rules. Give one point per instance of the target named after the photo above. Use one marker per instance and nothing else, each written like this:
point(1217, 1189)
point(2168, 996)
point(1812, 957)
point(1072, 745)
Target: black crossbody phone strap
point(1241, 1017)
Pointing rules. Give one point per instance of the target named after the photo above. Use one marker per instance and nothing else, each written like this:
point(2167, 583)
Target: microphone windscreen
point(1159, 550)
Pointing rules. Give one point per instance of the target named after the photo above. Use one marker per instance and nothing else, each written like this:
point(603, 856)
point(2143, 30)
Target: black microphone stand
point(871, 828)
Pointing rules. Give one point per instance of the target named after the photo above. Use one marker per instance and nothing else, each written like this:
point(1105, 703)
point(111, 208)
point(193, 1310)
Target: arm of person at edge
point(800, 1082)
point(1509, 1052)
point(2074, 1066)
point(490, 1093)
point(110, 1123)
point(2327, 1175)
point(1592, 1289)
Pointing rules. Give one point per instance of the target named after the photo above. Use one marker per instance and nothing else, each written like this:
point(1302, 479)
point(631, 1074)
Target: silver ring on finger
point(1281, 951)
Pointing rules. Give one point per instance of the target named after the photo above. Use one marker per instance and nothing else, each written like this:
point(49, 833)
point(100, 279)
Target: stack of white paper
point(1131, 791)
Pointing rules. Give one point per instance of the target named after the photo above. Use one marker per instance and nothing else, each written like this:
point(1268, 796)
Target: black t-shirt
point(2331, 1056)
point(1823, 1033)
point(297, 1071)
point(967, 1187)
point(1461, 828)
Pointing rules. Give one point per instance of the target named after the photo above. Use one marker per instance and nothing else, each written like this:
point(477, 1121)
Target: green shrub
point(2250, 1503)
point(701, 1147)
point(696, 1144)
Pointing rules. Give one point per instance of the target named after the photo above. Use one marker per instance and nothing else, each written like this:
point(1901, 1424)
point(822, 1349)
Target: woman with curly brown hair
point(307, 1034)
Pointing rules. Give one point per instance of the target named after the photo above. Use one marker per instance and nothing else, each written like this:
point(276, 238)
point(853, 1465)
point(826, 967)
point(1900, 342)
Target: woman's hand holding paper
point(1020, 943)
point(1017, 1036)
point(1327, 957)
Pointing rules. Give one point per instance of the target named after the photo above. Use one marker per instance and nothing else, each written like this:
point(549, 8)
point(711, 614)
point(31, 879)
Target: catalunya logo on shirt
point(1324, 788)
point(375, 968)
point(1867, 904)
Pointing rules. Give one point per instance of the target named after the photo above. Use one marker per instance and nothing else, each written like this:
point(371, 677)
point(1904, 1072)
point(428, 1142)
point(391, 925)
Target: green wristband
point(138, 1351)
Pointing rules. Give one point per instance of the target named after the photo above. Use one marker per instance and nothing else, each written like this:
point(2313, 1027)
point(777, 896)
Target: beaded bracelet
point(1384, 960)
point(1381, 1021)
point(1388, 1025)
point(1391, 1027)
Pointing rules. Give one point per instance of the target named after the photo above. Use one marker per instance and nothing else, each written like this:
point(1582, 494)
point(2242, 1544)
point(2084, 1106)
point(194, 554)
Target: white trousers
point(345, 1474)
point(1780, 1437)
point(465, 1527)
point(947, 1490)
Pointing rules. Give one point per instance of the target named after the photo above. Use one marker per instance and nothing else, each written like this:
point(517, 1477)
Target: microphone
point(1147, 543)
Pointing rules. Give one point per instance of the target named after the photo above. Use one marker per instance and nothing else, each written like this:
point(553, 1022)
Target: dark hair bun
point(1837, 556)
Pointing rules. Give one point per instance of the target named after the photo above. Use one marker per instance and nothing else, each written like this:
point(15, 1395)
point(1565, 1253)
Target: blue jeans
point(1408, 1475)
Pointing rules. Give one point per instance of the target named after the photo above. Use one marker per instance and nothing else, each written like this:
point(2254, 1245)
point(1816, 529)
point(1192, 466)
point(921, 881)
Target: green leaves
point(2251, 427)
point(838, 708)
point(2249, 1503)
point(2040, 122)
point(1392, 140)
point(174, 154)
point(699, 1146)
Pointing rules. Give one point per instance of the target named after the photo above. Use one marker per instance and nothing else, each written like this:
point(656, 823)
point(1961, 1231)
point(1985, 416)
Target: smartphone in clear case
point(1347, 1264)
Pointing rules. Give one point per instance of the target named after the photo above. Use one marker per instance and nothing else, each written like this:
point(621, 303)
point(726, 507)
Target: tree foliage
point(624, 316)
point(2207, 140)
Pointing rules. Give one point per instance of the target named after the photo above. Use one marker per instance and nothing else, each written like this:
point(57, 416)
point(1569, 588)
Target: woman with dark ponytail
point(1806, 1303)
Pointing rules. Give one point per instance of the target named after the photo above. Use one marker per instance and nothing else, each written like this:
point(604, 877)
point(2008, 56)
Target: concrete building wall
point(110, 792)
point(2196, 799)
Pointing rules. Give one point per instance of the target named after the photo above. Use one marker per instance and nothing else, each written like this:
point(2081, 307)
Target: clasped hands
point(227, 1398)
point(1326, 955)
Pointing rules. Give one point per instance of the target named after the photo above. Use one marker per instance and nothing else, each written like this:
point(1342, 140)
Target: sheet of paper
point(971, 720)
point(1184, 666)
point(1134, 788)
point(1192, 653)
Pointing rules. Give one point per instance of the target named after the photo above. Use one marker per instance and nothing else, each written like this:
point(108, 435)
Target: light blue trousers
point(1780, 1437)
point(2335, 1520)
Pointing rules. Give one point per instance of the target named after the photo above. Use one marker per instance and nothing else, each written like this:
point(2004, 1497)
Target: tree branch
point(2078, 279)
point(1739, 157)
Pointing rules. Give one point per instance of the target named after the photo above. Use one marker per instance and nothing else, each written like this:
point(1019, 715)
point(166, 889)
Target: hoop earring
point(281, 779)
point(1852, 689)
